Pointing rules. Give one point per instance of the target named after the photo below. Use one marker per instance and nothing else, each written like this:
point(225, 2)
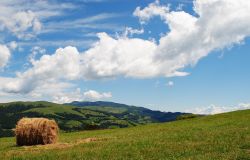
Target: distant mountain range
point(81, 115)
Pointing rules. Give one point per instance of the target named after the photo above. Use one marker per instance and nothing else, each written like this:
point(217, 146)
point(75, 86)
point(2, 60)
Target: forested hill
point(81, 115)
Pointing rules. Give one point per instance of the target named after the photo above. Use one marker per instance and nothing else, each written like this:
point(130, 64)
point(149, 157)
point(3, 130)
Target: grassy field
point(224, 136)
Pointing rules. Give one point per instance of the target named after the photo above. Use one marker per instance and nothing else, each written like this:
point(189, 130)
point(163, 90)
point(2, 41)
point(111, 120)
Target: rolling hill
point(127, 110)
point(81, 115)
point(223, 137)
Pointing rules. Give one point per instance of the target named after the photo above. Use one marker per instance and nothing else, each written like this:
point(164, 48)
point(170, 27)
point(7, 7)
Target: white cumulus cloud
point(193, 37)
point(4, 55)
point(213, 109)
point(153, 9)
point(64, 64)
point(111, 57)
point(77, 95)
point(94, 95)
point(20, 22)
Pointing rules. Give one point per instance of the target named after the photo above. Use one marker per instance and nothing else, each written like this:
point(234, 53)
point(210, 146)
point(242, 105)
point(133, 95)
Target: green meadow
point(218, 137)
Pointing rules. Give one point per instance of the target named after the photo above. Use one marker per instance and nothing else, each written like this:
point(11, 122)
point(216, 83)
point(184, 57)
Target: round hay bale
point(34, 131)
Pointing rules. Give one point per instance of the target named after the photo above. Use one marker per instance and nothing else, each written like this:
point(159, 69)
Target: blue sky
point(169, 55)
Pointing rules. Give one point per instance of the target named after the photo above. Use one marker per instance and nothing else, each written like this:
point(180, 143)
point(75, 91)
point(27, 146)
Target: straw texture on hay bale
point(34, 131)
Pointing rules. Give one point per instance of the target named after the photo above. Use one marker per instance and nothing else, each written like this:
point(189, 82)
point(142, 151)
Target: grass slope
point(219, 137)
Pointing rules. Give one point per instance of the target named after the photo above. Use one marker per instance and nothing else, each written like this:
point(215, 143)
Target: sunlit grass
point(224, 136)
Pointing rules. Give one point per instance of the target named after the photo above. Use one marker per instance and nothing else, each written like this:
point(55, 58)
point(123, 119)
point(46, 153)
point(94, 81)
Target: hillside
point(224, 137)
point(81, 117)
point(123, 109)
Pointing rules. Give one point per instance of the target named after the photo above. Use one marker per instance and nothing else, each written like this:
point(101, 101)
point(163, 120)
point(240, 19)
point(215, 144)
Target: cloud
point(12, 45)
point(130, 31)
point(111, 57)
point(213, 109)
point(48, 90)
point(23, 18)
point(36, 51)
point(64, 64)
point(21, 22)
point(77, 95)
point(83, 43)
point(44, 91)
point(190, 38)
point(170, 83)
point(94, 95)
point(4, 55)
point(153, 9)
point(91, 22)
point(42, 8)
